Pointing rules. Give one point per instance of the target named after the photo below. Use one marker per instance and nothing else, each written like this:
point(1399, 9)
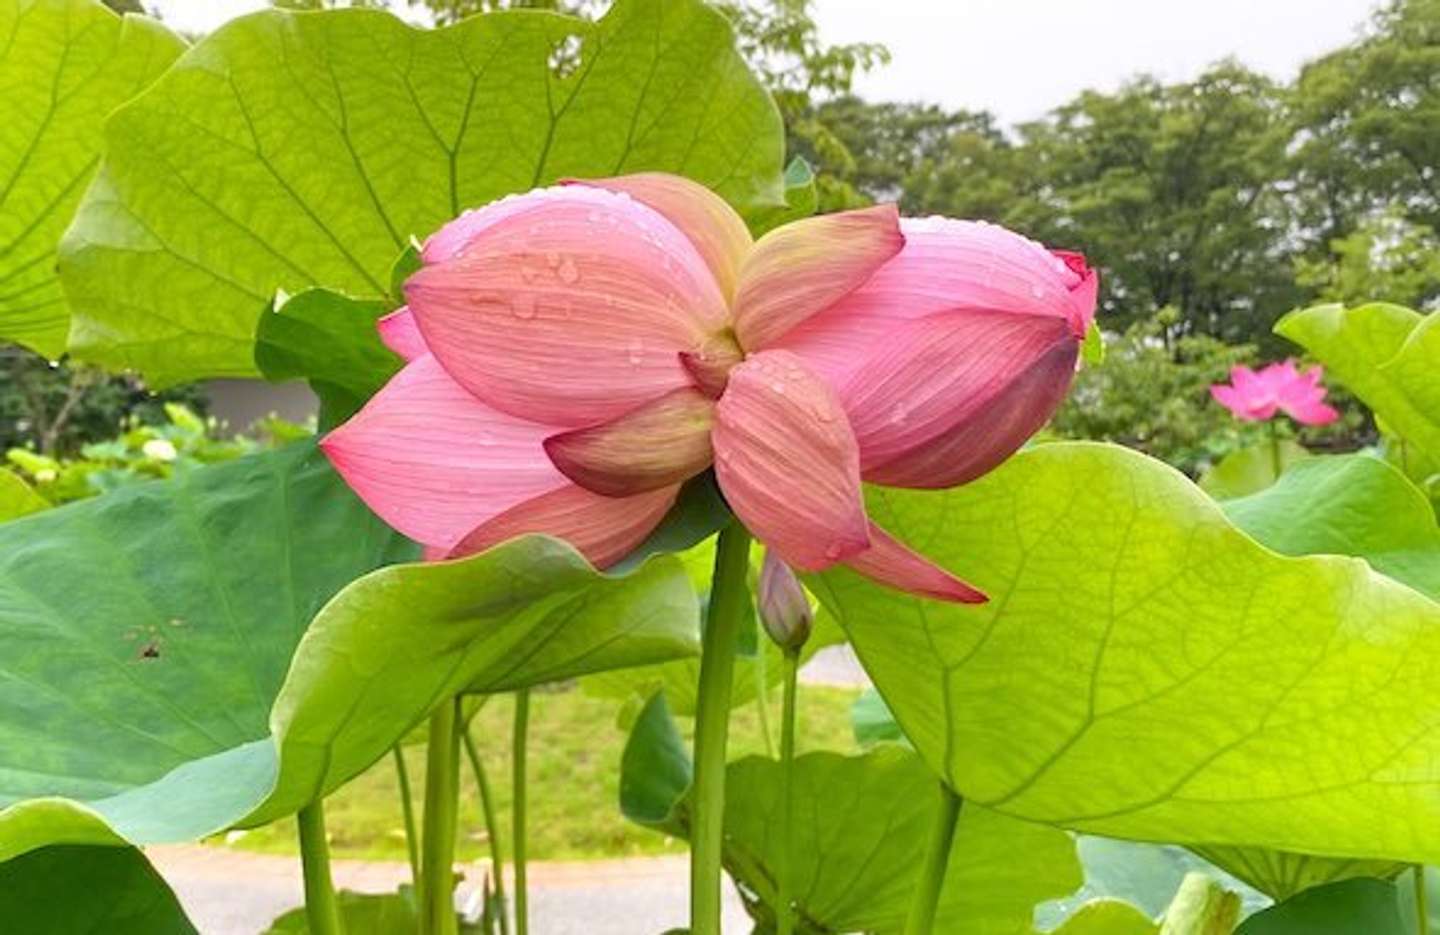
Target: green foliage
point(855, 836)
point(324, 189)
point(55, 407)
point(1386, 259)
point(1153, 394)
point(143, 451)
point(73, 889)
point(1170, 654)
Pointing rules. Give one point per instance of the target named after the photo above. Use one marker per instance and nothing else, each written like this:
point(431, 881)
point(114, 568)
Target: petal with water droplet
point(712, 225)
point(946, 265)
point(433, 461)
point(951, 396)
point(596, 326)
point(792, 479)
point(797, 270)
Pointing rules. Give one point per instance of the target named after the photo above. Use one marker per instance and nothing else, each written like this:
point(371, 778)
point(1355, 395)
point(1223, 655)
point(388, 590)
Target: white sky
point(1019, 58)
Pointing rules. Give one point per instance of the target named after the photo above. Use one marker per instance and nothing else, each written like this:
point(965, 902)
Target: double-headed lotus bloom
point(1256, 396)
point(577, 353)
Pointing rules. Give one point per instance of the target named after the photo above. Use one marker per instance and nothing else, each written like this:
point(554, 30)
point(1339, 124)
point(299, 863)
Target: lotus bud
point(784, 608)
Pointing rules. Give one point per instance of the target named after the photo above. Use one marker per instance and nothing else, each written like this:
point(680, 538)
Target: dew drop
point(899, 414)
point(636, 352)
point(523, 306)
point(778, 386)
point(528, 273)
point(834, 550)
point(552, 258)
point(484, 438)
point(1037, 290)
point(567, 272)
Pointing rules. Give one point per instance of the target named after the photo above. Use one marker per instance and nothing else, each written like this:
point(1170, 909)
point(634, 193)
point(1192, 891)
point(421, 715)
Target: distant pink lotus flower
point(1257, 396)
point(578, 352)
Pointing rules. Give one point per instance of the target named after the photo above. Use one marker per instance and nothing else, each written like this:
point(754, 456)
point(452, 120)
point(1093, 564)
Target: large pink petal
point(603, 529)
point(433, 461)
point(892, 563)
point(952, 395)
point(711, 224)
point(399, 332)
point(663, 442)
point(806, 266)
point(946, 265)
point(787, 462)
point(568, 305)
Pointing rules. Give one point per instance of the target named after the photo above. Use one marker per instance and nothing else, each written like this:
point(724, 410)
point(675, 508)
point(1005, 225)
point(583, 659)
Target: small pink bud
point(784, 609)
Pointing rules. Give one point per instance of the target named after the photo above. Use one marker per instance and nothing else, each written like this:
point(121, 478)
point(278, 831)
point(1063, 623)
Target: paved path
point(230, 892)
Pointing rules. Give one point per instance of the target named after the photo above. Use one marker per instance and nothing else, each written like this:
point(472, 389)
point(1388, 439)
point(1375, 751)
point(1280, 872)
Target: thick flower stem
point(321, 909)
point(522, 727)
point(442, 794)
point(412, 836)
point(921, 920)
point(487, 808)
point(712, 718)
point(783, 872)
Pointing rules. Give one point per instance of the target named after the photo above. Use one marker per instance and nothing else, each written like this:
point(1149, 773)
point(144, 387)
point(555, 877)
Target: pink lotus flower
point(1256, 396)
point(578, 352)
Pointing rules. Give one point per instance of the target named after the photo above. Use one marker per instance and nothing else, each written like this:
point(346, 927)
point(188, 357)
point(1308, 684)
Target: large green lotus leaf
point(64, 65)
point(860, 824)
point(1146, 670)
point(1387, 355)
point(1250, 470)
point(1351, 907)
point(1347, 505)
point(294, 150)
point(76, 889)
point(146, 643)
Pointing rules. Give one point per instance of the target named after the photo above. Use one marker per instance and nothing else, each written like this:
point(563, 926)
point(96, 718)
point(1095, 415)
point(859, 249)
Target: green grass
point(575, 747)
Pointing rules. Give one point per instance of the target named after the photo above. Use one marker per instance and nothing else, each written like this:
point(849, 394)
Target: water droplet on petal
point(552, 258)
point(834, 550)
point(567, 272)
point(636, 352)
point(523, 306)
point(899, 414)
point(1037, 290)
point(484, 438)
point(778, 386)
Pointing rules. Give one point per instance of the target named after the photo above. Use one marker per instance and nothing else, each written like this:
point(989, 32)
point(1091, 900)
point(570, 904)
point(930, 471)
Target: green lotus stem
point(412, 837)
point(321, 908)
point(785, 877)
point(712, 718)
point(487, 808)
point(762, 701)
point(1422, 909)
point(442, 800)
point(921, 920)
point(522, 726)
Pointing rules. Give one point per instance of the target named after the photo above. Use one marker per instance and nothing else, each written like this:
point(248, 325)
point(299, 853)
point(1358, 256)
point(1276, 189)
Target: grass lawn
point(574, 776)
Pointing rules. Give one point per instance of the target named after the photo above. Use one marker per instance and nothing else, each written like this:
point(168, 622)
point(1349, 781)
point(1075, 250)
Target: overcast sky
point(1019, 58)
